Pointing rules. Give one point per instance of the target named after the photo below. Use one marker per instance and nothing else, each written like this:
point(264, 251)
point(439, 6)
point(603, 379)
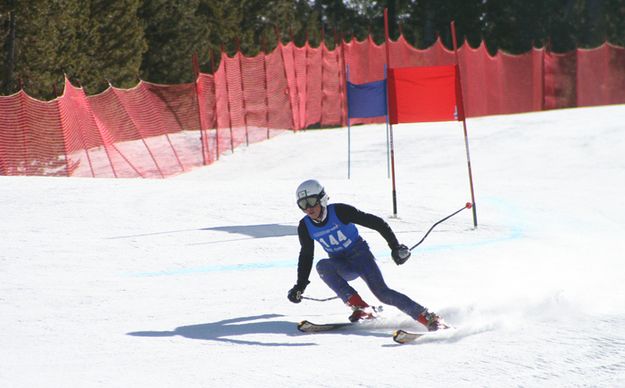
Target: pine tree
point(34, 49)
point(7, 46)
point(223, 19)
point(615, 21)
point(174, 32)
point(515, 27)
point(70, 19)
point(114, 40)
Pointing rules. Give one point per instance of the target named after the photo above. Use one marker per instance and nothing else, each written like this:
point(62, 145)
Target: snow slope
point(182, 282)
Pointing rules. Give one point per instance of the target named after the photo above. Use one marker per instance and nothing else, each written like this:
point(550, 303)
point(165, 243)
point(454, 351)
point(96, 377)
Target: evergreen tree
point(33, 49)
point(336, 15)
point(615, 21)
point(514, 27)
point(437, 17)
point(7, 46)
point(592, 30)
point(71, 20)
point(260, 19)
point(113, 39)
point(223, 20)
point(174, 32)
point(560, 25)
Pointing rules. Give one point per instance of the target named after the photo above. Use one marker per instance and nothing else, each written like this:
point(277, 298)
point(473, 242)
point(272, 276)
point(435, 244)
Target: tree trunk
point(7, 74)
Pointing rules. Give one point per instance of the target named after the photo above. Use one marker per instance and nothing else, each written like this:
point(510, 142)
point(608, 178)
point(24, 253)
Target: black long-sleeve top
point(346, 214)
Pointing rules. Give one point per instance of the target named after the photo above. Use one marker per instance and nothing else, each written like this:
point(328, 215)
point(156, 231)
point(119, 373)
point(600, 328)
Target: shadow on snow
point(252, 231)
point(228, 329)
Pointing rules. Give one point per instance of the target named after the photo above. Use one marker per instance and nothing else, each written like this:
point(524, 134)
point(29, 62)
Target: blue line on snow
point(515, 233)
point(217, 268)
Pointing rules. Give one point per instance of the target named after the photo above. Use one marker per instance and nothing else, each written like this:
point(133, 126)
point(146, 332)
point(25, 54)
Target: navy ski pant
point(359, 262)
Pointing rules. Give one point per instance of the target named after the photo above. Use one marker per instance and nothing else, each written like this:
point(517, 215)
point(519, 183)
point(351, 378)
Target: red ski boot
point(361, 310)
point(432, 321)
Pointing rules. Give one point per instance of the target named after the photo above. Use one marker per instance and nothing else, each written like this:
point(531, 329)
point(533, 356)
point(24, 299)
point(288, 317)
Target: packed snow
point(182, 282)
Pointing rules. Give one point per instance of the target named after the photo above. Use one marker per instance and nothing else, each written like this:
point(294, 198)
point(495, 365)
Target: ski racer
point(333, 226)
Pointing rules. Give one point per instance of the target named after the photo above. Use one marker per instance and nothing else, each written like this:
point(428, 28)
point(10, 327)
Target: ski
point(404, 337)
point(309, 327)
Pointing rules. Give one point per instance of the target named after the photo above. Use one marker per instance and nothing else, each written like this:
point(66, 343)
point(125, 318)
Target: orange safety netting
point(161, 130)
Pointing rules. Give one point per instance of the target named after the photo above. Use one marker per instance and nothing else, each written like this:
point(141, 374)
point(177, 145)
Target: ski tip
point(404, 337)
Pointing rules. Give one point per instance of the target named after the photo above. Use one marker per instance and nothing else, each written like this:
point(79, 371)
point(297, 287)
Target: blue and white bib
point(334, 236)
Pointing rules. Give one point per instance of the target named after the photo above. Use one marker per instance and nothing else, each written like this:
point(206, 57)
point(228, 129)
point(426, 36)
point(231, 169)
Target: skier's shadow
point(228, 329)
point(248, 231)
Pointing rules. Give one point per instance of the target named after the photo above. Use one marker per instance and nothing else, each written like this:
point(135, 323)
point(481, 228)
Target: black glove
point(400, 254)
point(295, 293)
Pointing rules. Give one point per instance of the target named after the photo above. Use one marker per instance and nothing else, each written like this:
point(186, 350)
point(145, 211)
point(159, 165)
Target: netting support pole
point(239, 55)
point(286, 76)
point(80, 136)
point(58, 107)
point(224, 56)
point(215, 123)
point(196, 71)
point(266, 86)
point(23, 128)
point(127, 161)
point(137, 127)
point(102, 138)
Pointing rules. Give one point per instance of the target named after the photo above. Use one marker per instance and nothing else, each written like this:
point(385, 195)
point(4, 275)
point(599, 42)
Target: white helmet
point(310, 189)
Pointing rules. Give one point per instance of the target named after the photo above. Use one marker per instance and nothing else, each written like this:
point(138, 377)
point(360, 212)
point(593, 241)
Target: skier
point(333, 227)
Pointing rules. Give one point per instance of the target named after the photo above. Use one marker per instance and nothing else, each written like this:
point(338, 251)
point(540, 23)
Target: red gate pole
point(388, 64)
point(464, 120)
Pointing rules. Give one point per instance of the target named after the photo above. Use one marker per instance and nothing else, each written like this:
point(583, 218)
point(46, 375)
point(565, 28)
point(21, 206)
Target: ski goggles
point(307, 202)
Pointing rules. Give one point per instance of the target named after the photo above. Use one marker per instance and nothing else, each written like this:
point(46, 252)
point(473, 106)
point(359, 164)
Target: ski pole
point(319, 300)
point(467, 206)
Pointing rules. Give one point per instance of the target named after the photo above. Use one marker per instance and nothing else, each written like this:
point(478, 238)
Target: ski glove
point(295, 293)
point(400, 254)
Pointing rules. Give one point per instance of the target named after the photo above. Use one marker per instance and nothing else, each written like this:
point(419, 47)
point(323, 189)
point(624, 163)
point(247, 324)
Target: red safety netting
point(597, 81)
point(332, 105)
point(31, 137)
point(162, 130)
point(500, 84)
